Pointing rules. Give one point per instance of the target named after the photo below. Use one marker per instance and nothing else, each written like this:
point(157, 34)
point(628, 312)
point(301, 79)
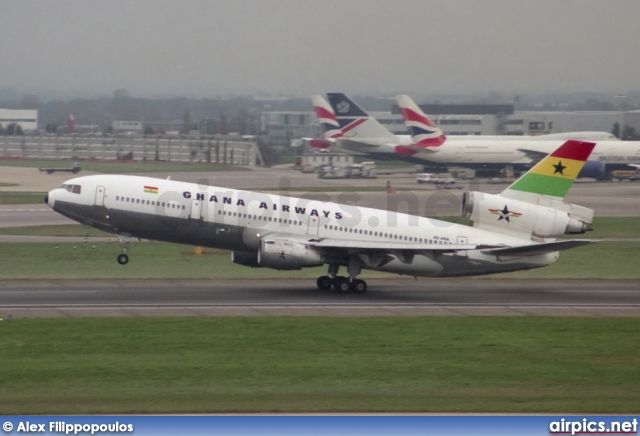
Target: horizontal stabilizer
point(535, 249)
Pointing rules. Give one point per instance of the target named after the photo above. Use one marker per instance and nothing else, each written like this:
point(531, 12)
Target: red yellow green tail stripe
point(554, 175)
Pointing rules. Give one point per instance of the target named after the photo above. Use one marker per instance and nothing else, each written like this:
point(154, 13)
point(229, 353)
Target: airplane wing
point(535, 249)
point(520, 250)
point(353, 245)
point(534, 155)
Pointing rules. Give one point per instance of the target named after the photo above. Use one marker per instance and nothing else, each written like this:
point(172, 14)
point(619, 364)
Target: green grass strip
point(154, 260)
point(11, 197)
point(326, 365)
point(612, 259)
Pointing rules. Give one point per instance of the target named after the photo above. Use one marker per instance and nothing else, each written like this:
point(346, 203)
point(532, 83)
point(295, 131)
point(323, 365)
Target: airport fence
point(210, 149)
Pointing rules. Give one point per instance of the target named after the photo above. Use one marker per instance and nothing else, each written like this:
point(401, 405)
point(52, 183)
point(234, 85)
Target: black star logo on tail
point(504, 214)
point(559, 168)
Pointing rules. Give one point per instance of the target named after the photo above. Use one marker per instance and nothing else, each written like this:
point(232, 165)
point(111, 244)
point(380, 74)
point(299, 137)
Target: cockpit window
point(75, 189)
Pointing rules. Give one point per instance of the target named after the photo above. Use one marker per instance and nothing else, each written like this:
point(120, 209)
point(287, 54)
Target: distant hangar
point(27, 119)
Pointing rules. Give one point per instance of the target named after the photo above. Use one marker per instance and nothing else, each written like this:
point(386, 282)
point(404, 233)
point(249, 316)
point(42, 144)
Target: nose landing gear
point(123, 258)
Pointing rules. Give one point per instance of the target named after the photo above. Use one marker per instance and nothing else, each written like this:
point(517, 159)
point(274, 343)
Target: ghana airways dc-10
point(511, 231)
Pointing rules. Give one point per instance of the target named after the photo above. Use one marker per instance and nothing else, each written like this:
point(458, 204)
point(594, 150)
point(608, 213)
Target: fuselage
point(484, 153)
point(236, 220)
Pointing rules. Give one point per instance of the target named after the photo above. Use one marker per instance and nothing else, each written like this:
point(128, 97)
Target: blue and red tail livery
point(355, 121)
point(424, 133)
point(326, 117)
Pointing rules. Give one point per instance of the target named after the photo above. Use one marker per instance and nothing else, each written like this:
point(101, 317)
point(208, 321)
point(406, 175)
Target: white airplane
point(608, 154)
point(362, 134)
point(511, 231)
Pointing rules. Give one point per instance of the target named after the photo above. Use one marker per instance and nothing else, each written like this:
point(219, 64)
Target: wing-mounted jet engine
point(282, 252)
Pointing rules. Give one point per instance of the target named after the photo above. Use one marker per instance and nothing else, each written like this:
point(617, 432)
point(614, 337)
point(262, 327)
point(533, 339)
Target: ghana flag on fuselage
point(554, 175)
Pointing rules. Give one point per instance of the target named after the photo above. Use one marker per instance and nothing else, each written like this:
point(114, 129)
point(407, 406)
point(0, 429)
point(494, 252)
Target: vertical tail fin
point(425, 134)
point(326, 117)
point(553, 175)
point(354, 121)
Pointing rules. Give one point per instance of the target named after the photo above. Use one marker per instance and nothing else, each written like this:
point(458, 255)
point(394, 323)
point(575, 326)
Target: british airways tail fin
point(425, 134)
point(326, 117)
point(354, 121)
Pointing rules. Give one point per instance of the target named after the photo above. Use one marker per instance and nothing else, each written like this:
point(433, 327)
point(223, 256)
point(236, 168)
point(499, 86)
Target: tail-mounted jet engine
point(546, 218)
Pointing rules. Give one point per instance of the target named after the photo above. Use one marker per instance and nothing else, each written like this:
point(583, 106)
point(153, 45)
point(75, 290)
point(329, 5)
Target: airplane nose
point(49, 199)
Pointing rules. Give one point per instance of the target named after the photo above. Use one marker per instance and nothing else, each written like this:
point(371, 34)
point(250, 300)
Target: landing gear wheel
point(324, 282)
point(359, 286)
point(123, 259)
point(342, 285)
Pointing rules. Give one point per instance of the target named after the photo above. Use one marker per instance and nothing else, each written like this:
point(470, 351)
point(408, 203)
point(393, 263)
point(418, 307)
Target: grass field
point(197, 365)
point(156, 260)
point(613, 259)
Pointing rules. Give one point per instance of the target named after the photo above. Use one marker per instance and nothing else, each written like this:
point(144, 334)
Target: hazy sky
point(297, 47)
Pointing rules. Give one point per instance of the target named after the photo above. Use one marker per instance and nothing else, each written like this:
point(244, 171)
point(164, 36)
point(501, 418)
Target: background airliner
point(511, 231)
point(362, 134)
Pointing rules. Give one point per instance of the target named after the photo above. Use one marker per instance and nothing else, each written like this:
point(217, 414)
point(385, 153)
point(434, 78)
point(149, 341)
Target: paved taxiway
point(386, 297)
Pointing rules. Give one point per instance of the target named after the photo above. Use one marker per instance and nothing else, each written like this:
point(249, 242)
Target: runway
point(386, 297)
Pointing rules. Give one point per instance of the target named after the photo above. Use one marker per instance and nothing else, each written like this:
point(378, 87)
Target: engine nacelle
point(507, 215)
point(592, 169)
point(245, 259)
point(287, 254)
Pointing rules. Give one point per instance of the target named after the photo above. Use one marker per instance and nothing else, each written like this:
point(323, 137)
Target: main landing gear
point(341, 284)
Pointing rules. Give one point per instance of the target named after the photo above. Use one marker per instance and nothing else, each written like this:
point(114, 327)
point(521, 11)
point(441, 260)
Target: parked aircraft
point(511, 231)
point(607, 156)
point(471, 151)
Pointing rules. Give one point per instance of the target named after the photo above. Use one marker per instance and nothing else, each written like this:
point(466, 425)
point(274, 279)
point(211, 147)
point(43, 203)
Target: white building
point(283, 127)
point(126, 127)
point(27, 119)
point(541, 122)
point(315, 159)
